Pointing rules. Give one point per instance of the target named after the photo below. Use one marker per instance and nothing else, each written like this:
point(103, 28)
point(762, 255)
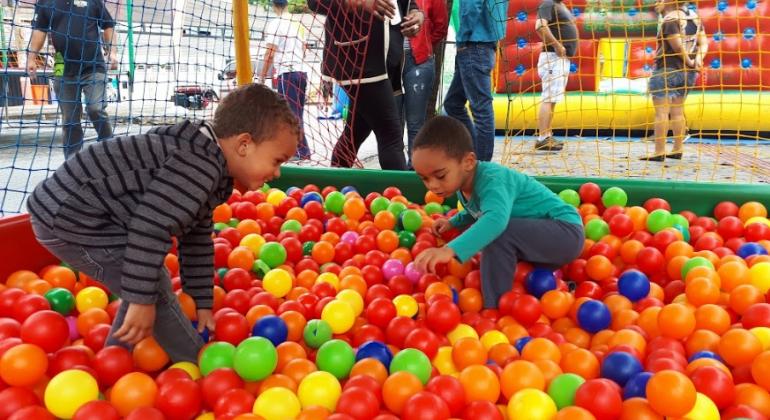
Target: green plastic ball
point(265, 187)
point(396, 208)
point(597, 229)
point(446, 208)
point(61, 300)
point(273, 254)
point(336, 357)
point(291, 226)
point(307, 247)
point(255, 359)
point(406, 239)
point(233, 222)
point(221, 273)
point(658, 220)
point(219, 226)
point(413, 361)
point(614, 196)
point(317, 332)
point(684, 231)
point(433, 208)
point(563, 388)
point(695, 262)
point(260, 268)
point(411, 220)
point(217, 355)
point(678, 219)
point(570, 197)
point(335, 201)
point(379, 204)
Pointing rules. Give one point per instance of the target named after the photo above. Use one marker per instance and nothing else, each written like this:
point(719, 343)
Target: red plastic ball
point(655, 204)
point(650, 260)
point(590, 193)
point(425, 406)
point(9, 328)
point(724, 209)
point(96, 410)
point(443, 316)
point(715, 384)
point(449, 389)
point(27, 305)
point(216, 383)
point(180, 399)
point(380, 312)
point(97, 336)
point(601, 397)
point(232, 328)
point(15, 398)
point(234, 402)
point(145, 413)
point(526, 309)
point(482, 410)
point(46, 329)
point(397, 330)
point(359, 403)
point(424, 340)
point(730, 227)
point(66, 359)
point(757, 315)
point(32, 412)
point(111, 363)
point(171, 375)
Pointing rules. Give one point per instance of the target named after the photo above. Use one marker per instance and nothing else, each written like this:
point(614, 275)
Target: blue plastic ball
point(573, 67)
point(521, 342)
point(594, 316)
point(204, 334)
point(576, 11)
point(620, 366)
point(634, 285)
point(751, 248)
point(633, 12)
point(375, 350)
point(746, 63)
point(348, 189)
point(311, 196)
point(704, 354)
point(636, 386)
point(521, 42)
point(271, 327)
point(722, 5)
point(521, 16)
point(751, 4)
point(718, 36)
point(539, 281)
point(716, 63)
point(749, 34)
point(649, 50)
point(455, 296)
point(520, 69)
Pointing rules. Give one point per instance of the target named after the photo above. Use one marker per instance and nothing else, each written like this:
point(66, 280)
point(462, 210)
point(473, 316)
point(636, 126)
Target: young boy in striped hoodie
point(111, 210)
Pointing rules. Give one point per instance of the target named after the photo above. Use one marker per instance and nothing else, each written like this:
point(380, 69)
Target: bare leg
point(678, 123)
point(544, 120)
point(662, 109)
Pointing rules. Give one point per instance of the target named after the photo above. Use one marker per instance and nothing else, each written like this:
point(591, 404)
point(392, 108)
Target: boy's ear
point(242, 142)
point(469, 161)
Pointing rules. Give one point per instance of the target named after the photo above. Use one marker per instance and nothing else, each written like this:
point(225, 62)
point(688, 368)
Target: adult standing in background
point(286, 42)
point(482, 24)
point(556, 27)
point(419, 70)
point(357, 39)
point(74, 28)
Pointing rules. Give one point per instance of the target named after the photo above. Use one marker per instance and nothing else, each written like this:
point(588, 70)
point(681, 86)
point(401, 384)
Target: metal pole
point(131, 58)
point(243, 69)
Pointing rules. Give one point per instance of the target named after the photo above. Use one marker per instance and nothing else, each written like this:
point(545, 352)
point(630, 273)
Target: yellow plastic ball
point(319, 388)
point(405, 305)
point(277, 404)
point(188, 367)
point(763, 334)
point(353, 298)
point(492, 337)
point(277, 282)
point(759, 275)
point(462, 331)
point(91, 297)
point(704, 409)
point(757, 219)
point(330, 278)
point(206, 416)
point(339, 315)
point(443, 361)
point(275, 197)
point(68, 391)
point(253, 241)
point(531, 404)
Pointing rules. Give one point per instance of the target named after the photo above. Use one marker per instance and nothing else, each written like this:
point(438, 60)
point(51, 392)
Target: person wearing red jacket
point(419, 70)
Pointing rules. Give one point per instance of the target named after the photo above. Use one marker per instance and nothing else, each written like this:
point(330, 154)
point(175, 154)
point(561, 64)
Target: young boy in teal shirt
point(512, 216)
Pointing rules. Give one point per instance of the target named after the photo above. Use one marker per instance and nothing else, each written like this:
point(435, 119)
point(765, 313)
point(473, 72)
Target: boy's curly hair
point(446, 134)
point(253, 109)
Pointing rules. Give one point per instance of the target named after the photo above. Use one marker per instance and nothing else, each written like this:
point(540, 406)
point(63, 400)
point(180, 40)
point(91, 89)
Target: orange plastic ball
point(470, 300)
point(387, 241)
point(599, 267)
point(133, 390)
point(480, 384)
point(754, 396)
point(702, 340)
point(322, 252)
point(23, 365)
point(314, 412)
point(288, 351)
point(278, 381)
point(149, 356)
point(550, 370)
point(581, 362)
point(370, 367)
point(248, 226)
point(468, 351)
point(671, 393)
point(398, 388)
point(89, 319)
point(521, 374)
point(502, 353)
point(61, 277)
point(222, 213)
point(739, 347)
point(629, 250)
point(751, 209)
point(743, 296)
point(385, 220)
point(760, 368)
point(541, 349)
point(241, 257)
point(574, 413)
point(713, 318)
point(638, 409)
point(297, 369)
point(676, 321)
point(256, 312)
point(701, 291)
point(295, 323)
point(556, 304)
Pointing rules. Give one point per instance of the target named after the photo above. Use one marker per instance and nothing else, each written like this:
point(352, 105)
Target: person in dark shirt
point(73, 27)
point(556, 27)
point(682, 45)
point(111, 210)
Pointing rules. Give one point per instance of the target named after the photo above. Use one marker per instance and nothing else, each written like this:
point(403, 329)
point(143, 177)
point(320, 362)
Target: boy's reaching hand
point(137, 324)
point(441, 226)
point(430, 258)
point(205, 320)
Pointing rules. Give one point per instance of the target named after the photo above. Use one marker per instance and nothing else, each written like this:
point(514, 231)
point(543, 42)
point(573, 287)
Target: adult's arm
point(544, 16)
point(439, 19)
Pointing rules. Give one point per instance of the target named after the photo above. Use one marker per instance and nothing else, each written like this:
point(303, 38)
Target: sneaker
point(549, 144)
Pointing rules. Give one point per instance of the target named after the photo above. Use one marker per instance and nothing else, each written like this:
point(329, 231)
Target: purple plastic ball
point(349, 237)
point(412, 273)
point(392, 268)
point(72, 323)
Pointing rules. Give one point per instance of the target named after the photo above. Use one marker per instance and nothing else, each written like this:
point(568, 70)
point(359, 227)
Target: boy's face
point(441, 174)
point(253, 164)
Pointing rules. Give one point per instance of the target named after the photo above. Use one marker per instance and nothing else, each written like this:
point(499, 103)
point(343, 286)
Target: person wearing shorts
point(556, 27)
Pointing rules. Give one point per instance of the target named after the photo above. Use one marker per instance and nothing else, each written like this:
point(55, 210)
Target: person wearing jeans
point(286, 46)
point(482, 24)
point(419, 70)
point(74, 29)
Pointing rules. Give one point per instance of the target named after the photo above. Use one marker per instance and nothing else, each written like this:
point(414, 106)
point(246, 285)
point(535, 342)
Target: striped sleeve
point(170, 203)
point(196, 264)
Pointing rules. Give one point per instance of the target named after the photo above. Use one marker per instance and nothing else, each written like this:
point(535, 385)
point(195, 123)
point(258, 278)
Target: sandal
point(674, 155)
point(654, 158)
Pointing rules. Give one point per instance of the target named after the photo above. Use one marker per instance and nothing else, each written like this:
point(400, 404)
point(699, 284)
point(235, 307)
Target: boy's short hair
point(446, 134)
point(253, 109)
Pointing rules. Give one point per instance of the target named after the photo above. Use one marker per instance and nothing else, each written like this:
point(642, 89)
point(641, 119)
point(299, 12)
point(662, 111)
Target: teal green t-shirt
point(501, 194)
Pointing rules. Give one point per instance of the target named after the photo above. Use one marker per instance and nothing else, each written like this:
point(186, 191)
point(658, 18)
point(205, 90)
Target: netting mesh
point(177, 59)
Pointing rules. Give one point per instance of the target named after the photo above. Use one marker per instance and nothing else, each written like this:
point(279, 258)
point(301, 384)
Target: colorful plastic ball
point(379, 204)
point(358, 403)
point(91, 297)
point(695, 262)
point(521, 342)
point(751, 248)
point(493, 337)
point(273, 254)
point(601, 397)
point(443, 316)
point(277, 282)
point(68, 391)
point(277, 404)
point(412, 273)
point(433, 208)
point(716, 384)
point(425, 405)
point(596, 229)
point(562, 389)
point(570, 197)
point(255, 358)
point(316, 333)
point(23, 364)
point(658, 220)
point(449, 389)
point(614, 196)
point(61, 300)
point(411, 220)
point(704, 409)
point(217, 355)
point(636, 386)
point(133, 391)
point(539, 281)
point(47, 329)
point(759, 275)
point(443, 361)
point(405, 306)
point(531, 404)
point(398, 388)
point(191, 368)
point(375, 350)
point(336, 357)
point(335, 202)
point(271, 327)
point(101, 410)
point(594, 316)
point(353, 298)
point(634, 285)
point(462, 331)
point(392, 268)
point(339, 315)
point(671, 393)
point(319, 388)
point(620, 366)
point(412, 361)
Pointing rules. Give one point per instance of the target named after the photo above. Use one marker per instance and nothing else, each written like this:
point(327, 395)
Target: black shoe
point(654, 158)
point(674, 155)
point(549, 144)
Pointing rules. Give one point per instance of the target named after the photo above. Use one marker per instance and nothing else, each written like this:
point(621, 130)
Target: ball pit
point(320, 313)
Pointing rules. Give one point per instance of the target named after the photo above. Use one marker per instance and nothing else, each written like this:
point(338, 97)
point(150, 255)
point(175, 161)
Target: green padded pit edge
point(698, 197)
